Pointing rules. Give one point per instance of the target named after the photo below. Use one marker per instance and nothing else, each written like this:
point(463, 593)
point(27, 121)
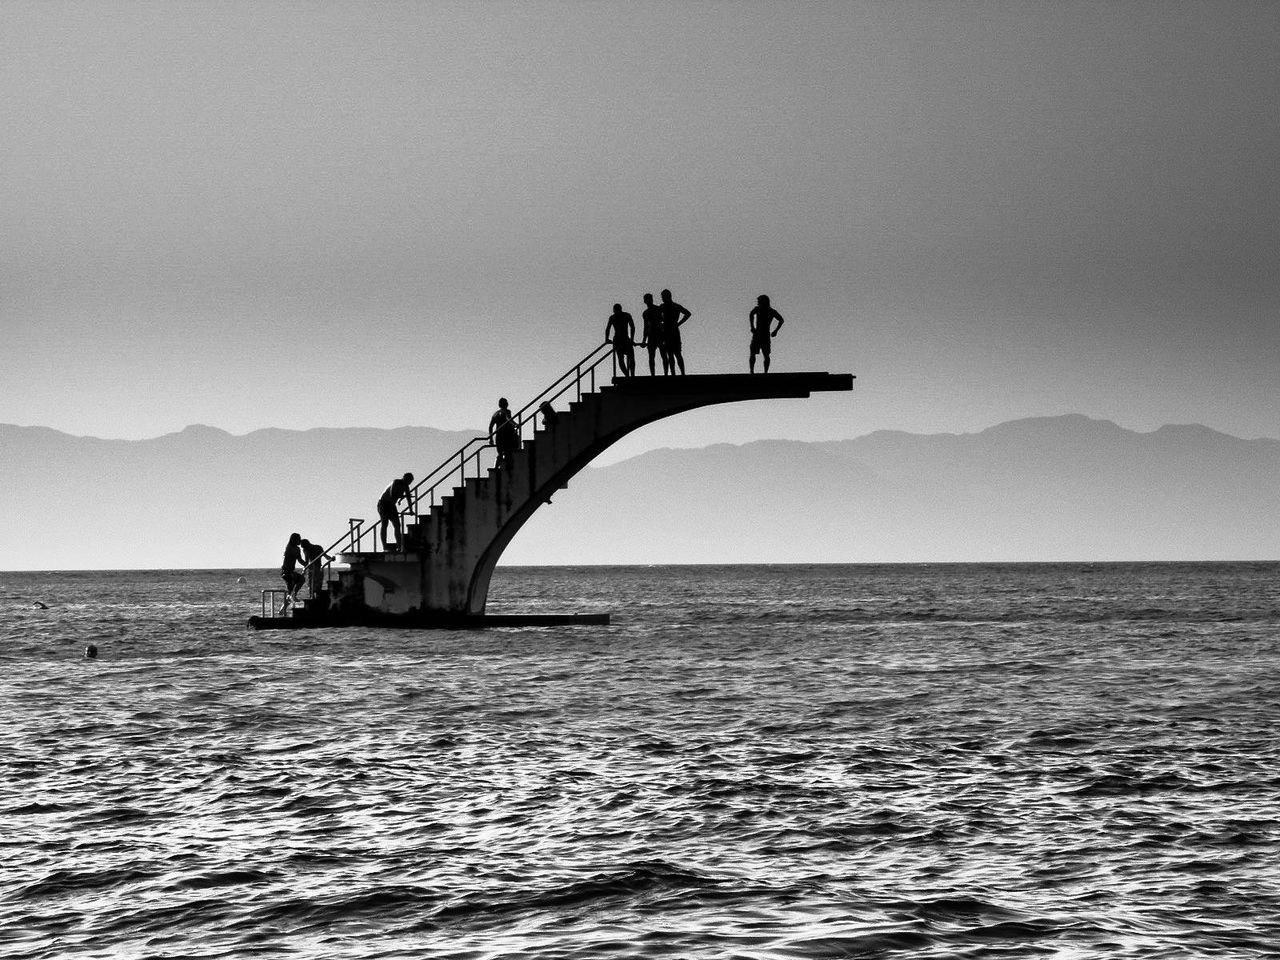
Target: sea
point(934, 761)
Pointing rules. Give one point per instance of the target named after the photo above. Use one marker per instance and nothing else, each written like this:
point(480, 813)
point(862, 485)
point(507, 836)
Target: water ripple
point(763, 762)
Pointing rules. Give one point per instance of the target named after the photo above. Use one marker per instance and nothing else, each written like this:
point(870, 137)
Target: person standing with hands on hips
point(760, 319)
point(673, 315)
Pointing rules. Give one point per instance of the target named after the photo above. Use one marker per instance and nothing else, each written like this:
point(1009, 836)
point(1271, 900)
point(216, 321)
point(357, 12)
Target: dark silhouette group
point(302, 551)
point(659, 331)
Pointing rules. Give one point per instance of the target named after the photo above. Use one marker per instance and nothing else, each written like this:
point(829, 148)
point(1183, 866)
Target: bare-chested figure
point(620, 330)
point(672, 316)
point(760, 319)
point(652, 333)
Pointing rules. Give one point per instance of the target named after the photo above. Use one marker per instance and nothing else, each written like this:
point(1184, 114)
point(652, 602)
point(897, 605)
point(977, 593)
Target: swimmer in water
point(91, 652)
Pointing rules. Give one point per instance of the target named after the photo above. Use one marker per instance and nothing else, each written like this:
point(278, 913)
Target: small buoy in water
point(91, 652)
point(241, 580)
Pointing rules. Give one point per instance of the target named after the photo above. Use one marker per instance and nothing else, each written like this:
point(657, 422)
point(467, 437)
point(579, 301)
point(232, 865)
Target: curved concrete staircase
point(453, 540)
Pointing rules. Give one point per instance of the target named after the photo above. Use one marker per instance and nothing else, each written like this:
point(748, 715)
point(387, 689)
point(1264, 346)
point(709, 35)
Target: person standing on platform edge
point(389, 512)
point(289, 570)
point(620, 330)
point(651, 333)
point(503, 433)
point(760, 319)
point(672, 316)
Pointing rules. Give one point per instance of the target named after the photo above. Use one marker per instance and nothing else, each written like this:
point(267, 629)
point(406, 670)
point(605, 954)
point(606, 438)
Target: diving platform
point(462, 515)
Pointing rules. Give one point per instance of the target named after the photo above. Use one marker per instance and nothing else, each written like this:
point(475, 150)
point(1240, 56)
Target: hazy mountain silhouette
point(197, 498)
point(1039, 489)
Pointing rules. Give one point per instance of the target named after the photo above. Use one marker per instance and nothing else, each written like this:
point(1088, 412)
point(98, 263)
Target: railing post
point(577, 380)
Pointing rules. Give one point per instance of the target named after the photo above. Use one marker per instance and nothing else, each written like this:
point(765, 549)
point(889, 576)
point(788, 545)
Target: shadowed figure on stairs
point(503, 433)
point(389, 512)
point(293, 580)
point(620, 330)
point(313, 557)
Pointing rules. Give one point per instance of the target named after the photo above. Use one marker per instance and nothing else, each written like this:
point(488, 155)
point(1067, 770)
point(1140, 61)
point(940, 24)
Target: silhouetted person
point(289, 570)
point(503, 433)
point(91, 652)
point(620, 330)
point(549, 415)
point(652, 332)
point(760, 320)
point(389, 512)
point(313, 557)
point(672, 316)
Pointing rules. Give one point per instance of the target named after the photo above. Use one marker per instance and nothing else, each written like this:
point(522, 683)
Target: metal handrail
point(570, 379)
point(457, 462)
point(272, 593)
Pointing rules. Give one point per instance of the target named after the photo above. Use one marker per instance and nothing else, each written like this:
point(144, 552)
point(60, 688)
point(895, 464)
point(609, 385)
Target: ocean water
point(754, 762)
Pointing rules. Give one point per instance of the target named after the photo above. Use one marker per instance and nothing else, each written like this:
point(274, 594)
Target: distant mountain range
point(1047, 488)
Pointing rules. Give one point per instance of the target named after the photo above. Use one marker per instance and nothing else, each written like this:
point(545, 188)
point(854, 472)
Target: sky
point(382, 214)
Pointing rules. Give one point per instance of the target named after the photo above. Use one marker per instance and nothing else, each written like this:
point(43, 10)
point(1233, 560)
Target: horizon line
point(479, 432)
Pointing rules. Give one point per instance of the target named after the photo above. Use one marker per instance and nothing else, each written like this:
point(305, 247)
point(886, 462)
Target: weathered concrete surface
point(453, 550)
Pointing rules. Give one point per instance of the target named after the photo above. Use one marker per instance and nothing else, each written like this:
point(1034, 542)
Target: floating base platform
point(371, 618)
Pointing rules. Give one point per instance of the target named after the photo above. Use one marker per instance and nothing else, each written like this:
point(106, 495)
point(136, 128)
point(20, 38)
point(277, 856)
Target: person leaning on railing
point(314, 556)
point(388, 512)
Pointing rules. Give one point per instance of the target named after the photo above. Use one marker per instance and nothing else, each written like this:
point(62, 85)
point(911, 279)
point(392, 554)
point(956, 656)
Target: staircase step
point(382, 556)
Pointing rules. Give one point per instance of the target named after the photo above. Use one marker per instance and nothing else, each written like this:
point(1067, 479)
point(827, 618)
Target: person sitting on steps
point(389, 512)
